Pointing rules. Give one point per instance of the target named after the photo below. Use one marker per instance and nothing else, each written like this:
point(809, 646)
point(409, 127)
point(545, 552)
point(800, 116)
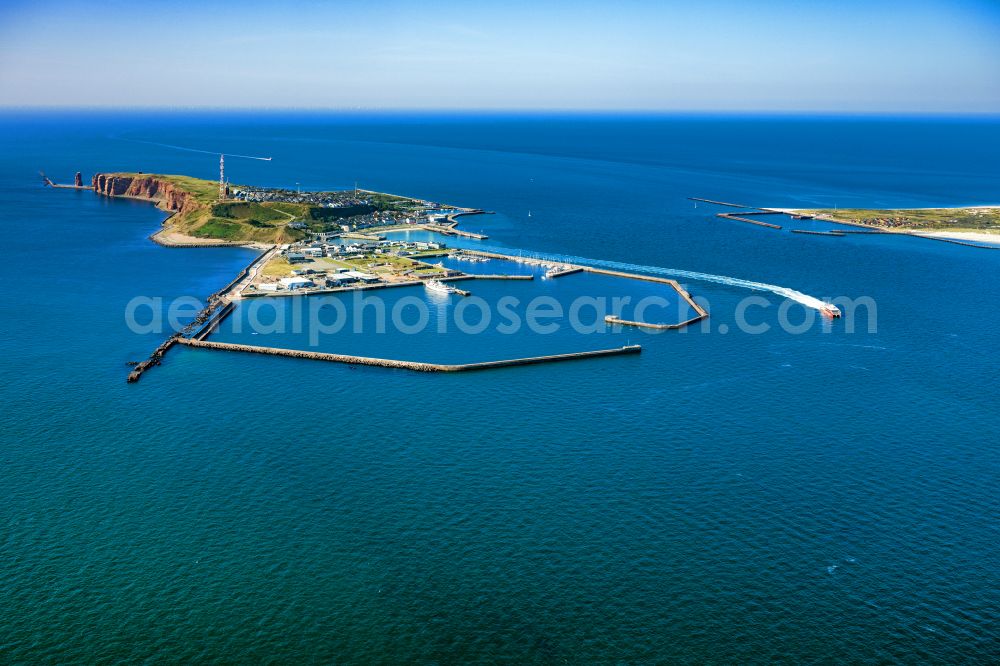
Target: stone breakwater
point(154, 359)
point(569, 269)
point(406, 365)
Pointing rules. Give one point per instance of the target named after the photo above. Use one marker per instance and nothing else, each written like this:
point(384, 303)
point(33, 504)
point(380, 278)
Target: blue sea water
point(722, 497)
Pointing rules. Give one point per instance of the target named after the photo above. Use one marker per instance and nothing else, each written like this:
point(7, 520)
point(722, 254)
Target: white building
point(357, 275)
point(291, 283)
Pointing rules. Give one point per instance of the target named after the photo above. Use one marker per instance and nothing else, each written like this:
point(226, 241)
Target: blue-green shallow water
point(718, 498)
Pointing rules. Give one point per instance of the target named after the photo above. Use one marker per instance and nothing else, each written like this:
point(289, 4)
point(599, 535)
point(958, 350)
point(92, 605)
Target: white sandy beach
point(965, 236)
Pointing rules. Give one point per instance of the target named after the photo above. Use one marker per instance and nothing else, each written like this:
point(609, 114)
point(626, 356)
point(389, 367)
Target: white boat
point(439, 287)
point(830, 310)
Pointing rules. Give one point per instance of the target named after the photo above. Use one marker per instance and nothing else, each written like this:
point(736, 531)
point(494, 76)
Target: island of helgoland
point(483, 333)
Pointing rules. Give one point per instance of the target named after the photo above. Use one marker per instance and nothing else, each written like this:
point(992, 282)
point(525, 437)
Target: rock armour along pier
point(569, 269)
point(406, 365)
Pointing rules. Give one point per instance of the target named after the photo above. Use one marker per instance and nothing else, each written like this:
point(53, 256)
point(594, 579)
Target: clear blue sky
point(917, 56)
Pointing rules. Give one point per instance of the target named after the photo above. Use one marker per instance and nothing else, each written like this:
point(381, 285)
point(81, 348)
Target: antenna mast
point(222, 177)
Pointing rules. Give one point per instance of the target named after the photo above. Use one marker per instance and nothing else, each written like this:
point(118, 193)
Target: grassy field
point(279, 267)
point(205, 191)
point(946, 219)
point(265, 222)
point(230, 221)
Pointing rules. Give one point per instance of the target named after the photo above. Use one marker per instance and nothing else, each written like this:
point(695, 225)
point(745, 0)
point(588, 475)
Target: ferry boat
point(830, 310)
point(439, 287)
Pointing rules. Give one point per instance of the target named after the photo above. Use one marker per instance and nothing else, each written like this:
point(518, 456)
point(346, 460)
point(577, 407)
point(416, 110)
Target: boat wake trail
point(197, 150)
point(784, 292)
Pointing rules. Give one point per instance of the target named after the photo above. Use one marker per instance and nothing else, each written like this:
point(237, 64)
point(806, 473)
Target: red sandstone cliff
point(167, 195)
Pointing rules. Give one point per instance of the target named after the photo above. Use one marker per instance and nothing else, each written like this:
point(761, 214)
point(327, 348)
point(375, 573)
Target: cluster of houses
point(325, 199)
point(376, 219)
point(343, 199)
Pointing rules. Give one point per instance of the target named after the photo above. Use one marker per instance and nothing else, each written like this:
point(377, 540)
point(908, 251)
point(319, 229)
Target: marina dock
point(407, 365)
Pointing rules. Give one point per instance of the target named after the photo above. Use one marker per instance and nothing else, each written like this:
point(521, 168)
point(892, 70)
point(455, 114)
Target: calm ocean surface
point(719, 498)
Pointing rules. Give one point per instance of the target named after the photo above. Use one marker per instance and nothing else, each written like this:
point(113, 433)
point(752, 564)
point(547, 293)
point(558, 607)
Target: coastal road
point(235, 292)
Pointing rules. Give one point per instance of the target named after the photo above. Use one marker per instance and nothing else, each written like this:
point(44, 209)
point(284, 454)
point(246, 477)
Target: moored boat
point(439, 287)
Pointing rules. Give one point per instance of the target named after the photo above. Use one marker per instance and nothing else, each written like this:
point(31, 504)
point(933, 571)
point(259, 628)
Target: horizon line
point(506, 111)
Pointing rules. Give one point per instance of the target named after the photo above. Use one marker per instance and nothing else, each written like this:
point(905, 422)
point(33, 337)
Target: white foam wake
point(197, 150)
point(784, 292)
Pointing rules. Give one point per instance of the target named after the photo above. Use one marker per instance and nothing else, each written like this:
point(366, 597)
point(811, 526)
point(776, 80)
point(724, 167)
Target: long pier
point(213, 323)
point(888, 232)
point(839, 234)
point(954, 241)
point(701, 313)
point(407, 365)
point(730, 216)
point(219, 306)
point(492, 276)
point(614, 320)
point(719, 203)
point(452, 231)
point(78, 185)
point(62, 186)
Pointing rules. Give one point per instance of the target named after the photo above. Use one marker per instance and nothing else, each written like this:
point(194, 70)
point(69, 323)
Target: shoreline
point(958, 235)
point(167, 236)
point(969, 236)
